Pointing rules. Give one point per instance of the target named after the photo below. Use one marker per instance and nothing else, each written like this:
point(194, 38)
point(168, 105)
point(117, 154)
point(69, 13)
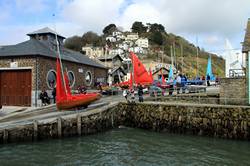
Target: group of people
point(126, 93)
point(45, 98)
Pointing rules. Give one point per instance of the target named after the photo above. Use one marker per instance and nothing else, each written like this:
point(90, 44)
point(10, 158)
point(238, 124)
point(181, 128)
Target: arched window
point(88, 78)
point(71, 78)
point(51, 79)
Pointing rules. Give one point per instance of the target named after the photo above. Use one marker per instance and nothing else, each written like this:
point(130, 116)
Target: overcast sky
point(209, 21)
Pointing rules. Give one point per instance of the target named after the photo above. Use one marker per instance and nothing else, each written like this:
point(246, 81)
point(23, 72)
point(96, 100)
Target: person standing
point(54, 94)
point(140, 93)
point(132, 93)
point(178, 83)
point(208, 80)
point(125, 94)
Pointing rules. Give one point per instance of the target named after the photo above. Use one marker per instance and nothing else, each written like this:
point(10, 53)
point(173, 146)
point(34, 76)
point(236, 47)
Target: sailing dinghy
point(64, 98)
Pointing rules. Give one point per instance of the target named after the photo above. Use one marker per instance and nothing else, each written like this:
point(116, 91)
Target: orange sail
point(151, 75)
point(67, 100)
point(66, 78)
point(141, 75)
point(60, 92)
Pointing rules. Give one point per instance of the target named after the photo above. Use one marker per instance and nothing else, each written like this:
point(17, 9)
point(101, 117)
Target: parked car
point(154, 90)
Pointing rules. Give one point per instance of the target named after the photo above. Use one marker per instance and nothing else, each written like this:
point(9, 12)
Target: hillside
point(162, 53)
point(160, 43)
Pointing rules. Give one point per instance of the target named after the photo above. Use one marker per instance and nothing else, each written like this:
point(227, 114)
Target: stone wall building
point(28, 67)
point(116, 67)
point(235, 90)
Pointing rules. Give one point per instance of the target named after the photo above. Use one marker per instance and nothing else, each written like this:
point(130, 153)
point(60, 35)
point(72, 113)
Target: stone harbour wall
point(67, 126)
point(221, 121)
point(231, 122)
point(188, 98)
point(233, 91)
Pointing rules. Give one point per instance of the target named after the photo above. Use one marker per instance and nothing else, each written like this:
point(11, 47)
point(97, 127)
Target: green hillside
point(160, 43)
point(185, 55)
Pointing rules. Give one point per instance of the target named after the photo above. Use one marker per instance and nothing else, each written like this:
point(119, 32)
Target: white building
point(132, 36)
point(234, 59)
point(142, 42)
point(93, 52)
point(118, 35)
point(111, 39)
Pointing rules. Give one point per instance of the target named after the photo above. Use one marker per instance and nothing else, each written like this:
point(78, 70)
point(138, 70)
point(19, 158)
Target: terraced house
point(28, 67)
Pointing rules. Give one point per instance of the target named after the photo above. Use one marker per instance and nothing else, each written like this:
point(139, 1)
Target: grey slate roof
point(35, 47)
point(246, 43)
point(109, 57)
point(45, 30)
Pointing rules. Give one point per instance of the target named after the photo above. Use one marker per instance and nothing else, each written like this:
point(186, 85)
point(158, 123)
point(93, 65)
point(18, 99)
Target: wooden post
point(79, 125)
point(35, 130)
point(59, 127)
point(5, 136)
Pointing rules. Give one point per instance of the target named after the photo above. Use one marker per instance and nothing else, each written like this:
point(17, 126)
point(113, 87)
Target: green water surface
point(127, 146)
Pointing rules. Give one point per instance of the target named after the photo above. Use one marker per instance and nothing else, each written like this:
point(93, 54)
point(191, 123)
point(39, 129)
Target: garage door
point(15, 87)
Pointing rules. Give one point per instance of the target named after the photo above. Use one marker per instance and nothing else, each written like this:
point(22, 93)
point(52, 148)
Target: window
point(71, 78)
point(88, 78)
point(51, 79)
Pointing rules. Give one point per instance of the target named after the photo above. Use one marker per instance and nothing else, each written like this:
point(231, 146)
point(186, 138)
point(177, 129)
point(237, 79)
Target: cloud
point(211, 40)
point(18, 32)
point(92, 15)
point(211, 20)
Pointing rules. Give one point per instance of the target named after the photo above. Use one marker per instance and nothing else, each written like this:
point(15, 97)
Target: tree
point(157, 38)
point(156, 27)
point(91, 38)
point(138, 27)
point(109, 29)
point(73, 43)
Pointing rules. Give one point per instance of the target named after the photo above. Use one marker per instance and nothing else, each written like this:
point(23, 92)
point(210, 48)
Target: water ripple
point(127, 146)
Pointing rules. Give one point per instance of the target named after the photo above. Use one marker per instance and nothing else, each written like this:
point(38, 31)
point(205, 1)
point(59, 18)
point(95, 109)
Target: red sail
point(162, 78)
point(66, 78)
point(141, 76)
point(60, 92)
point(151, 75)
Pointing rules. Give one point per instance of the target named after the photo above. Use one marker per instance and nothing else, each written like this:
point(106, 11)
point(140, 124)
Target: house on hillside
point(93, 52)
point(132, 36)
point(29, 67)
point(157, 74)
point(142, 42)
point(115, 65)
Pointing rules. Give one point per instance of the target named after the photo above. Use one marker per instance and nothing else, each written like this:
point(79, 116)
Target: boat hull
point(75, 101)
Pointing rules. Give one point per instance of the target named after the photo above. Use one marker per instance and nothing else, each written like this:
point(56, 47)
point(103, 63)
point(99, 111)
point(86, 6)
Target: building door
point(15, 89)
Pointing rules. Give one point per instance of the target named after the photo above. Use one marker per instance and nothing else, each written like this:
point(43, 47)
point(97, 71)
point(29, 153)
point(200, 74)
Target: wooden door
point(15, 87)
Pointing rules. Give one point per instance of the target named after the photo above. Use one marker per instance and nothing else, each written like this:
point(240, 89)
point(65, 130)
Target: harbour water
point(128, 146)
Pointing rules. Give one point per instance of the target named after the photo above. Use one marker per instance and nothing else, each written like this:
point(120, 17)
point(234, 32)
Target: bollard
point(79, 125)
point(35, 123)
point(59, 127)
point(5, 136)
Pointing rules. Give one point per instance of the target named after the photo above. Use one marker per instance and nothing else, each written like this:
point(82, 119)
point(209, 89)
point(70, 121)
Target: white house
point(132, 36)
point(93, 52)
point(111, 39)
point(142, 42)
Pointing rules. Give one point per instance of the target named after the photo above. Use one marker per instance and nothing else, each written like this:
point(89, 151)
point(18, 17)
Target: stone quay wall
point(84, 123)
point(231, 122)
point(200, 98)
point(233, 91)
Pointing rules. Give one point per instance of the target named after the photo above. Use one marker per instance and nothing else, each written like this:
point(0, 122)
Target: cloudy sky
point(207, 23)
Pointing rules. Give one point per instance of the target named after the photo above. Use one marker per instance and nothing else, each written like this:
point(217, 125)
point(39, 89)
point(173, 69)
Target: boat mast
point(61, 66)
point(197, 54)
